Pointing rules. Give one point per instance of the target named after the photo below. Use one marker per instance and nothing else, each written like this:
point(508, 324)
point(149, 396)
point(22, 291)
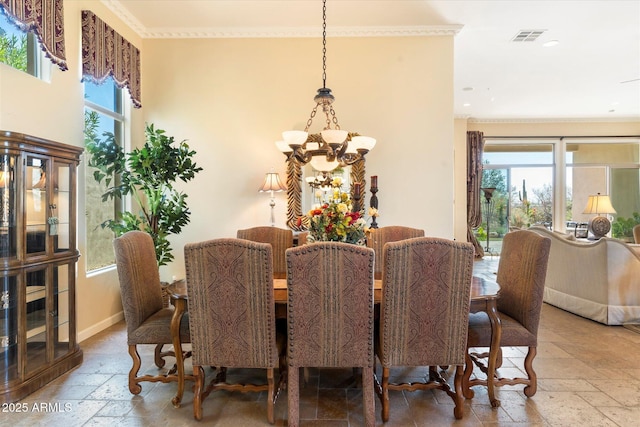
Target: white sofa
point(599, 280)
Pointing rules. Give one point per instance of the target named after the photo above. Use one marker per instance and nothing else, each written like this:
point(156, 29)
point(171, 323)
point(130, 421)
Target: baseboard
point(100, 326)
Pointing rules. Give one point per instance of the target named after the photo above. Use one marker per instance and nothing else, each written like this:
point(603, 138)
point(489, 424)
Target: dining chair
point(279, 238)
point(377, 237)
point(232, 313)
point(636, 233)
point(148, 319)
point(330, 316)
point(426, 291)
point(521, 275)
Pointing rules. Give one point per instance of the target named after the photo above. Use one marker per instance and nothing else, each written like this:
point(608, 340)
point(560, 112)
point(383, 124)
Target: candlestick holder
point(373, 202)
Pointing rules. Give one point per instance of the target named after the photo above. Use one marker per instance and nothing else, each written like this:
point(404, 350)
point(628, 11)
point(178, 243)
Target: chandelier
point(332, 147)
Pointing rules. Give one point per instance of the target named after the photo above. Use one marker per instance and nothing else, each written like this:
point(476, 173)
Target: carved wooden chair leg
point(385, 394)
point(270, 396)
point(458, 411)
point(158, 356)
point(532, 387)
point(468, 370)
point(134, 386)
point(198, 377)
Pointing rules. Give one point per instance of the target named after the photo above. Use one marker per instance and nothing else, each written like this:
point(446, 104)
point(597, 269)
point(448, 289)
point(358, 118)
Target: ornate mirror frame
point(294, 190)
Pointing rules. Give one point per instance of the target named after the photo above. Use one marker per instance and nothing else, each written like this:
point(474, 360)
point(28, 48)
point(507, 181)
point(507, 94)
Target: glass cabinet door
point(36, 205)
point(36, 318)
point(8, 209)
point(61, 310)
point(58, 218)
point(8, 329)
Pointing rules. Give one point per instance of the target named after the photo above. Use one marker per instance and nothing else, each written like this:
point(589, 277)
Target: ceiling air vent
point(527, 35)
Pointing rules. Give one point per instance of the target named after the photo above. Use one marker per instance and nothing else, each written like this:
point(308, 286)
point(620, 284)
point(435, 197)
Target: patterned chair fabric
point(330, 315)
point(377, 238)
point(232, 312)
point(280, 240)
point(424, 312)
point(521, 275)
point(148, 322)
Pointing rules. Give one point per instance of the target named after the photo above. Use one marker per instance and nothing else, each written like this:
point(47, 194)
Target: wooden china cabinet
point(38, 258)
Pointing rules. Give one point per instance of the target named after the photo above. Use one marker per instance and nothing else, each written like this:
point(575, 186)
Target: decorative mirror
point(295, 182)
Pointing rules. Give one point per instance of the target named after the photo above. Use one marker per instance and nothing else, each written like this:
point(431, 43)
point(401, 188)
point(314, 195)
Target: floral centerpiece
point(335, 221)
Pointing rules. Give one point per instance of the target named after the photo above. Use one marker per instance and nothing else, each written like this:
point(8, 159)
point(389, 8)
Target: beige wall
point(232, 99)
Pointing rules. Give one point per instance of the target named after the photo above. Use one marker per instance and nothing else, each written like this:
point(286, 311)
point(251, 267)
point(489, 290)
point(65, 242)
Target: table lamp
point(272, 184)
point(599, 225)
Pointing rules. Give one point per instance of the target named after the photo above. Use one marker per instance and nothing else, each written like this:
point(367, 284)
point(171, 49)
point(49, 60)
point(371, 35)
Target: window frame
point(120, 115)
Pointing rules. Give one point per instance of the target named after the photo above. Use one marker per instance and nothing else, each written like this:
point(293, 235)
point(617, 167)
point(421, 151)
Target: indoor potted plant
point(148, 174)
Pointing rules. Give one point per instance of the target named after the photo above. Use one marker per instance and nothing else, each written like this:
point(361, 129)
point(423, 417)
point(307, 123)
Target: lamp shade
point(272, 183)
point(321, 164)
point(283, 146)
point(599, 204)
point(294, 137)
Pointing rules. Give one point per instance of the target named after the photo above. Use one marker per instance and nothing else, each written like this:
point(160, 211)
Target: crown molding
point(300, 32)
point(274, 32)
point(121, 12)
point(557, 120)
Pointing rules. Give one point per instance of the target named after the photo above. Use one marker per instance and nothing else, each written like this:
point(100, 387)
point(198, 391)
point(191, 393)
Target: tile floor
point(588, 375)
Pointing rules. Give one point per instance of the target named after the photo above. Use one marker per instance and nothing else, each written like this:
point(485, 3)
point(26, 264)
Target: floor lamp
point(272, 184)
point(488, 212)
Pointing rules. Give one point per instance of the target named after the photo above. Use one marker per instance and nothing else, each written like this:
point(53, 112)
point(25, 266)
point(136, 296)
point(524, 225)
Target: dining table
point(484, 296)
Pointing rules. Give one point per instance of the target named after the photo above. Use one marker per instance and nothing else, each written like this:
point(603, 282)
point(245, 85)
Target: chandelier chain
point(324, 43)
point(313, 114)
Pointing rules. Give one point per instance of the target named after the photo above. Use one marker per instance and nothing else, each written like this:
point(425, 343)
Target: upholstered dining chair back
point(378, 237)
point(522, 271)
point(231, 307)
point(148, 322)
point(280, 240)
point(139, 277)
point(636, 233)
point(426, 291)
point(330, 315)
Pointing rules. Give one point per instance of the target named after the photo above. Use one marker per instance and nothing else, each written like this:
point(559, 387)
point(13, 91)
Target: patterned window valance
point(106, 53)
point(44, 18)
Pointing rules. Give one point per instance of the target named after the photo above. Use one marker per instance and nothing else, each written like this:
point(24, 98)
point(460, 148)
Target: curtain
point(105, 53)
point(43, 18)
point(475, 146)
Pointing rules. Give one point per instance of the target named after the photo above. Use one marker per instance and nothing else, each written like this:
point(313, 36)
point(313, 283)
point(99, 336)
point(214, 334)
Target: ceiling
point(592, 73)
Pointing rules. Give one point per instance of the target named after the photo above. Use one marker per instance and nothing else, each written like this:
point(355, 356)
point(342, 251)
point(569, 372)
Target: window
point(20, 50)
point(548, 181)
point(103, 115)
point(522, 175)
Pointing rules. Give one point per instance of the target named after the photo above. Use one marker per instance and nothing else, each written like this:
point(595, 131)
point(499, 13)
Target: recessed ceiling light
point(612, 111)
point(466, 104)
point(467, 89)
point(551, 43)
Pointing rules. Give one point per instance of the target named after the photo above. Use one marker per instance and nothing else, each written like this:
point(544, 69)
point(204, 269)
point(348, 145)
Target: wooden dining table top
point(481, 289)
